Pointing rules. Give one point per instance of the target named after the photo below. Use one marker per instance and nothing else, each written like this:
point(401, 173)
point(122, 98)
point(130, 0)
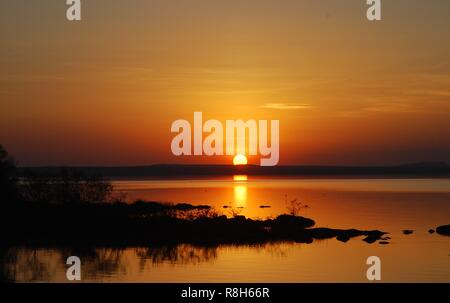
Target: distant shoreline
point(428, 169)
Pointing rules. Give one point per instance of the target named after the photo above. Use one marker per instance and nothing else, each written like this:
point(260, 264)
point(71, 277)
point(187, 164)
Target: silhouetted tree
point(294, 207)
point(67, 187)
point(8, 180)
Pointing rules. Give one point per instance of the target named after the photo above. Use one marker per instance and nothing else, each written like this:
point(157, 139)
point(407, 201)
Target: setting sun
point(240, 160)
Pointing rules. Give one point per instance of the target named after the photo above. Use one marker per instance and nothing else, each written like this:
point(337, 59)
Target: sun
point(240, 160)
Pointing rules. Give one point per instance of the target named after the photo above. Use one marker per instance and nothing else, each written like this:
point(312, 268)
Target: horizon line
point(426, 163)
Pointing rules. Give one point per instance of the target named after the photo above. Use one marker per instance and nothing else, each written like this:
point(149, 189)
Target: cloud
point(285, 106)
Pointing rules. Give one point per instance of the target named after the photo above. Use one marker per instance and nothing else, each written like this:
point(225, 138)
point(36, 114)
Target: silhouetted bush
point(67, 187)
point(8, 180)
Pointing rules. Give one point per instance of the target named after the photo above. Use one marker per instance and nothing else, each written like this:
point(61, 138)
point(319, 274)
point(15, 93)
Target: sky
point(105, 91)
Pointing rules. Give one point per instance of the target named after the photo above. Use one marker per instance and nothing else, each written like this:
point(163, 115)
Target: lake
point(390, 205)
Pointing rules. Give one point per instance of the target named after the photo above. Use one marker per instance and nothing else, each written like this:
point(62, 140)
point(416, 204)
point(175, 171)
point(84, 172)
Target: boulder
point(443, 230)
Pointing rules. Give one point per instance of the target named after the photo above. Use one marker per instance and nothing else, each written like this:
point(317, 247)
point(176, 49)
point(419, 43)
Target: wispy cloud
point(285, 106)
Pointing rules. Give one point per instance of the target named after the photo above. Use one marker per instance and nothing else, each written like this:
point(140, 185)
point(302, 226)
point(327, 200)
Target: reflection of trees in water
point(6, 271)
point(180, 254)
point(43, 264)
point(18, 264)
point(187, 254)
point(28, 264)
point(276, 249)
point(98, 261)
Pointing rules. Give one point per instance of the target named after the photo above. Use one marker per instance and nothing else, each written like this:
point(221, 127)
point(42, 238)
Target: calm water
point(390, 205)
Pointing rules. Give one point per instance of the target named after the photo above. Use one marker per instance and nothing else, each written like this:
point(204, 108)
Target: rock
point(345, 235)
point(443, 230)
point(343, 238)
point(303, 239)
point(373, 236)
point(321, 233)
point(288, 221)
point(431, 231)
point(408, 231)
point(239, 218)
point(370, 240)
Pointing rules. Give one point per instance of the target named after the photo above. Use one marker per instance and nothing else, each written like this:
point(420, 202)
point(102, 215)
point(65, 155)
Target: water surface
point(390, 205)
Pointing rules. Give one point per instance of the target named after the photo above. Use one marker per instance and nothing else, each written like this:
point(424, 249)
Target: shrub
point(67, 187)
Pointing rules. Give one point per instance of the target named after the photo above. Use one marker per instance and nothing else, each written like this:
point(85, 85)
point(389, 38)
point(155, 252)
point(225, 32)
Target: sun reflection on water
point(240, 190)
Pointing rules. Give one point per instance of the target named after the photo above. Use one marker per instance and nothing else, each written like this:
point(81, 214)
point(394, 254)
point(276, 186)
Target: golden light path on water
point(240, 191)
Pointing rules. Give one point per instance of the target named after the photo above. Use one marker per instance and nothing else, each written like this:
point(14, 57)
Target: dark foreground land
point(75, 207)
point(142, 223)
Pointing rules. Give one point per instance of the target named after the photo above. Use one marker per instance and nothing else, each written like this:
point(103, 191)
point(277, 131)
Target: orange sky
point(106, 90)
